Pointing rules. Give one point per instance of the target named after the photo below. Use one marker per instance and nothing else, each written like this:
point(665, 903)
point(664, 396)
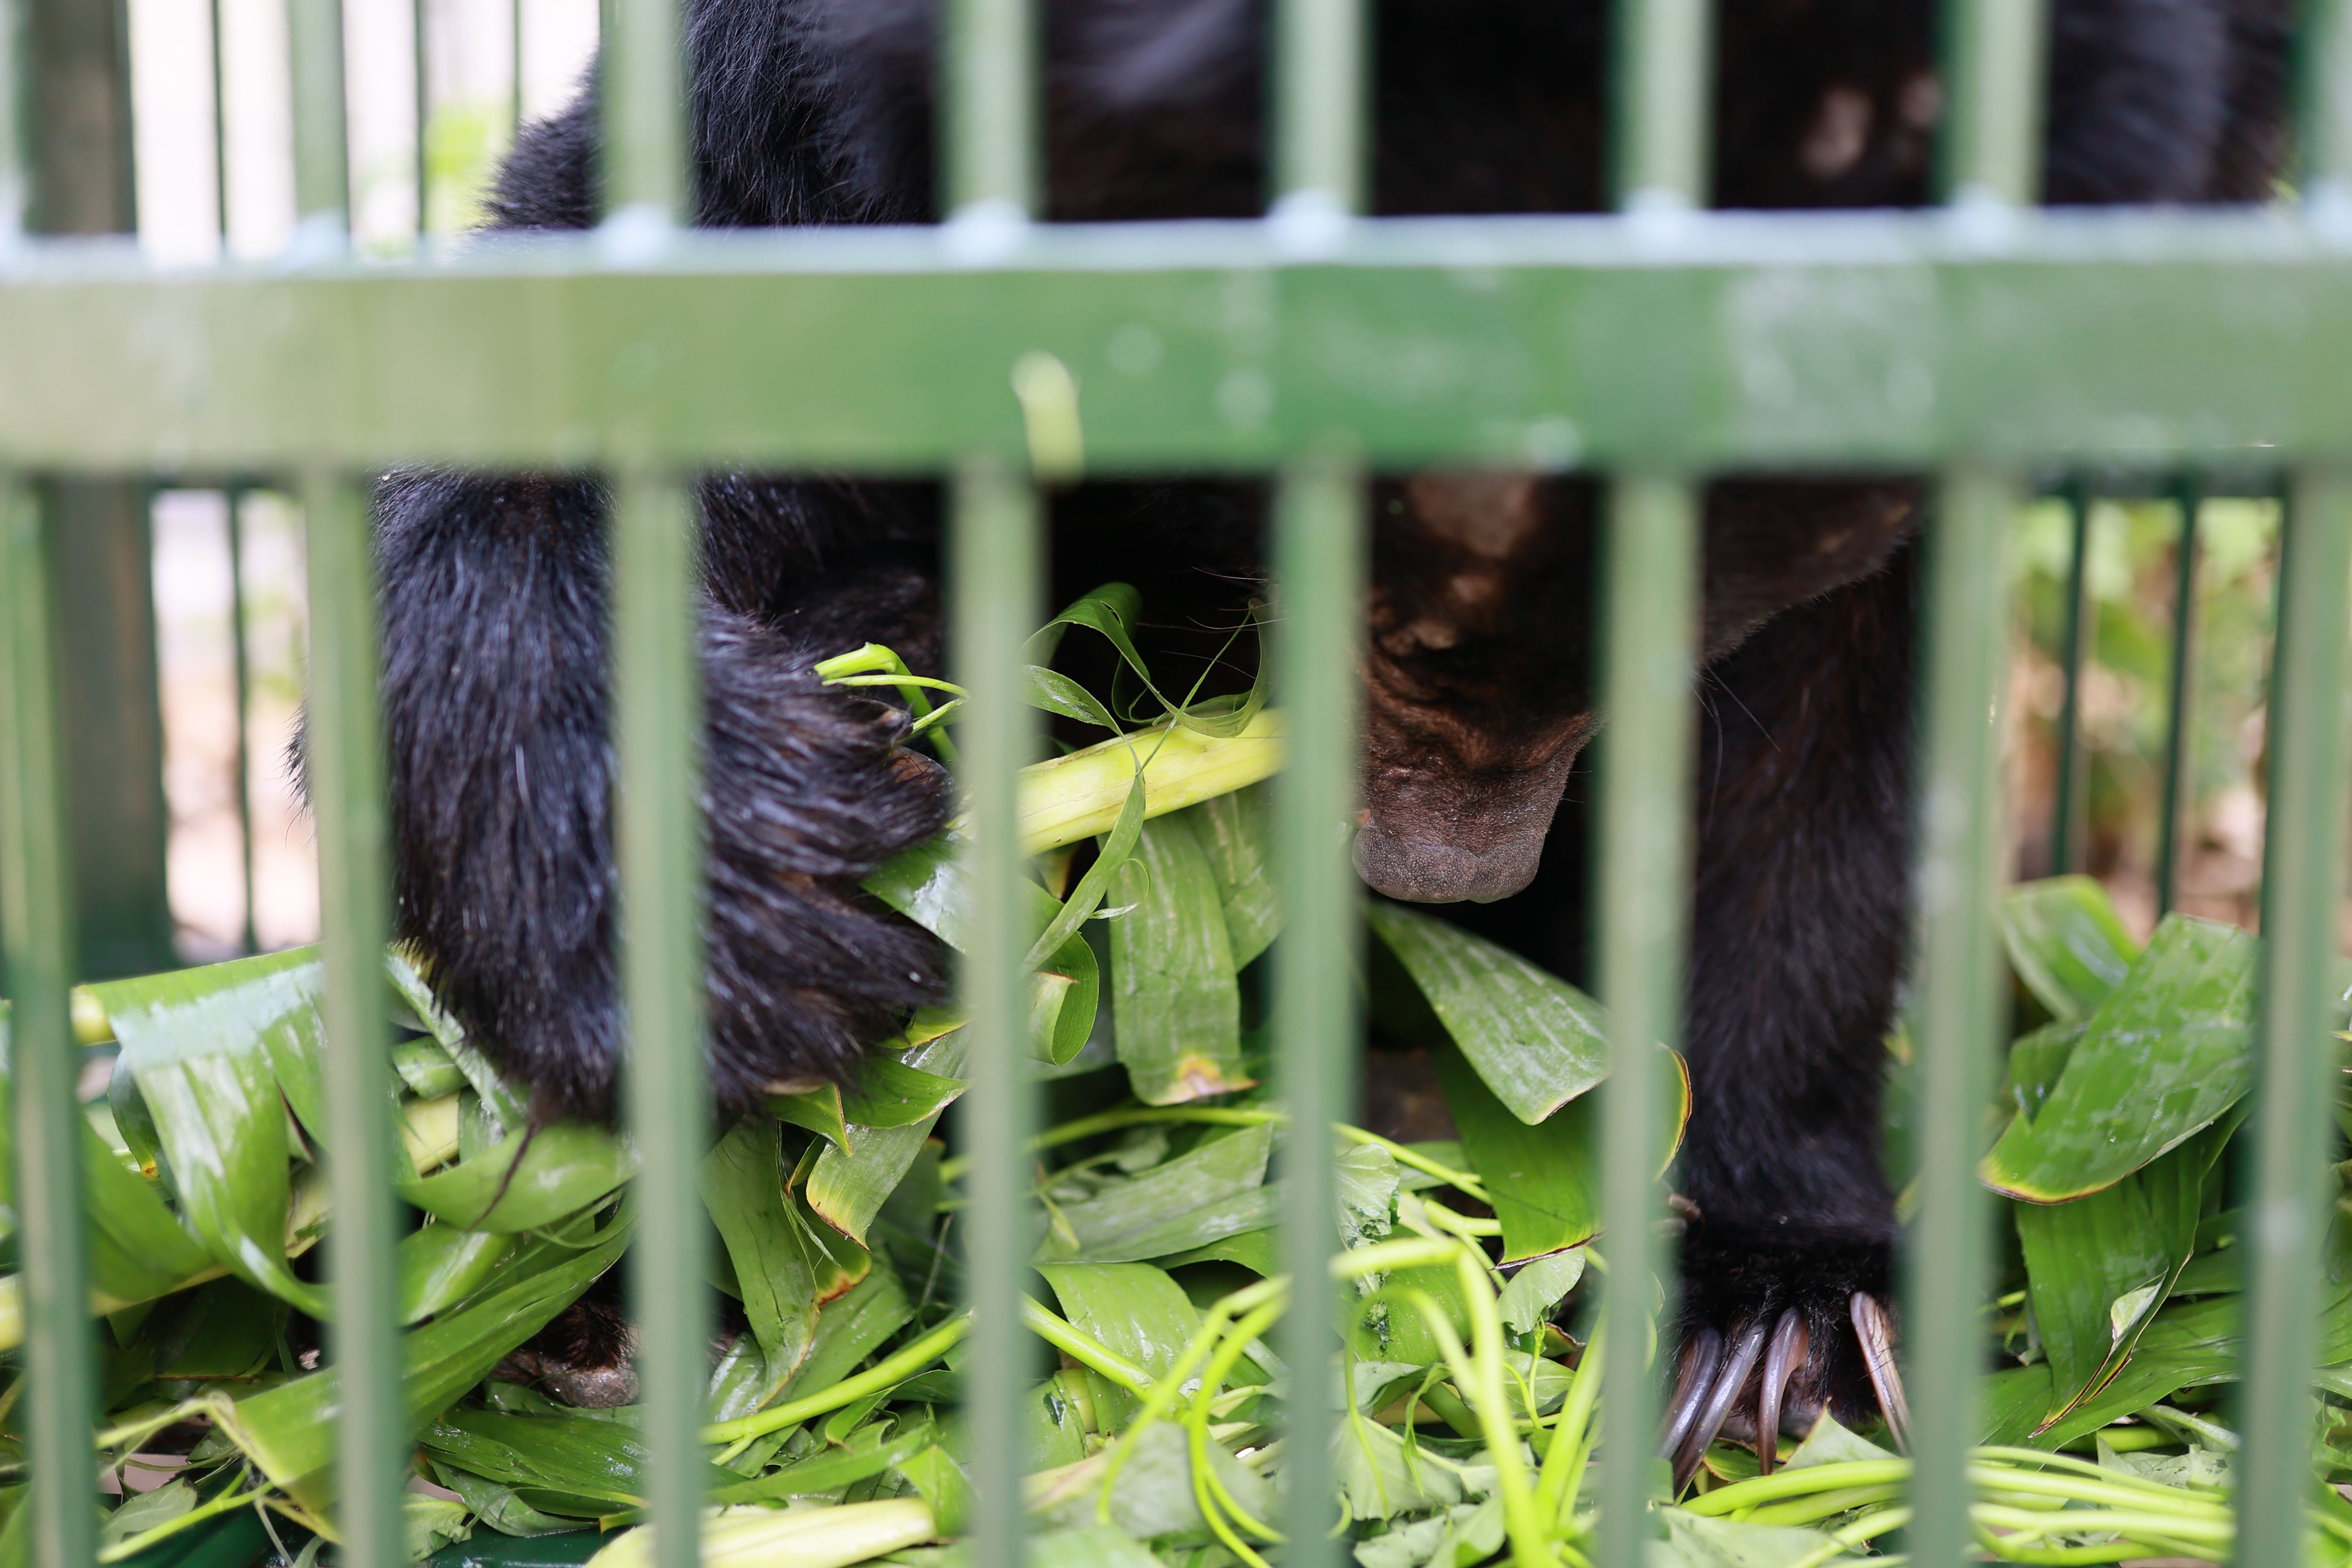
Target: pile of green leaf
point(1468, 1370)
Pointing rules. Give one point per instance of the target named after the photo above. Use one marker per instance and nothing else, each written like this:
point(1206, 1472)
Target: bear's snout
point(1426, 871)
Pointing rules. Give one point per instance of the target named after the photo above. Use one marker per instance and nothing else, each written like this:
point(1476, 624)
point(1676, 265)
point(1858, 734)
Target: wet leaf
point(1696, 1541)
point(1215, 1190)
point(2164, 1055)
point(2082, 1256)
point(743, 1183)
point(848, 1185)
point(820, 1110)
point(533, 1178)
point(1380, 1477)
point(1137, 1310)
point(441, 1265)
point(1235, 830)
point(289, 1430)
point(1536, 1041)
point(2066, 944)
point(849, 1329)
point(1539, 1287)
point(1366, 1178)
point(1545, 1183)
point(889, 1093)
point(1177, 1006)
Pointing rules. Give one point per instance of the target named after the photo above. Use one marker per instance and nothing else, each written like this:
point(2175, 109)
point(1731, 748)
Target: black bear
point(1478, 693)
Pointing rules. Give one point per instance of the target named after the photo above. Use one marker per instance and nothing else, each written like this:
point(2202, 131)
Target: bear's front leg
point(496, 698)
point(1797, 939)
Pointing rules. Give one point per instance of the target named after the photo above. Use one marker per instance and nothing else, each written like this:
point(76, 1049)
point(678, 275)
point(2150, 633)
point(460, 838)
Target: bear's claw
point(1719, 1385)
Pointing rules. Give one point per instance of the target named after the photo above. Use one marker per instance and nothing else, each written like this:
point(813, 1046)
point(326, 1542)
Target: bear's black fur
point(817, 111)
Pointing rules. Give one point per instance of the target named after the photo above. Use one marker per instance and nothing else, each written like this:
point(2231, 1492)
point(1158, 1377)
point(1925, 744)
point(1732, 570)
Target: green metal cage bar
point(2284, 1159)
point(345, 742)
point(1872, 341)
point(1322, 565)
point(659, 714)
point(1642, 840)
point(1947, 1259)
point(996, 568)
point(35, 909)
point(2070, 804)
point(2178, 730)
point(996, 555)
point(1321, 569)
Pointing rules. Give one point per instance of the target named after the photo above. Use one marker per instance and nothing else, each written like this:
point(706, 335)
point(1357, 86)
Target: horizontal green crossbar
point(1678, 341)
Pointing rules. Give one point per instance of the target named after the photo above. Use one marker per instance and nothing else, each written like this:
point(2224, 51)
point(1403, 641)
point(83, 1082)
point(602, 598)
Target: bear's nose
point(1423, 871)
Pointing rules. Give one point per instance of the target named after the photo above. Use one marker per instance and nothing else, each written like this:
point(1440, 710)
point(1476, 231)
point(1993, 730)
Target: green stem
point(1074, 1342)
point(848, 1391)
point(1572, 1430)
point(134, 1545)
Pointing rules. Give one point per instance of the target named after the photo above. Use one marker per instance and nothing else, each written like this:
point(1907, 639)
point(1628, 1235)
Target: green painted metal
point(990, 127)
point(1955, 1015)
point(79, 85)
point(1991, 147)
point(420, 43)
point(645, 156)
point(1643, 853)
point(1742, 341)
point(2325, 102)
point(996, 570)
point(2178, 727)
point(1665, 51)
point(103, 556)
point(240, 671)
point(2069, 812)
point(216, 66)
point(1321, 566)
point(322, 182)
point(16, 181)
point(2287, 1135)
point(35, 922)
point(344, 738)
point(657, 683)
point(1320, 50)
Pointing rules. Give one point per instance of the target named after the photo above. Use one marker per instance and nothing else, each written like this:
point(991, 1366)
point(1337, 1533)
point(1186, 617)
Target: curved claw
point(1700, 1357)
point(1782, 1362)
point(1876, 1336)
point(1727, 1384)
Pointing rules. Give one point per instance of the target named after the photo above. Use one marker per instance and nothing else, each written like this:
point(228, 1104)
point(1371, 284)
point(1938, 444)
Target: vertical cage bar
point(1956, 1018)
point(988, 84)
point(2177, 732)
point(514, 77)
point(15, 155)
point(1991, 150)
point(997, 568)
point(645, 175)
point(323, 186)
point(344, 740)
point(241, 671)
point(1319, 561)
point(1644, 857)
point(218, 64)
point(1320, 50)
point(2286, 1138)
point(37, 912)
point(658, 718)
point(1664, 58)
point(420, 43)
point(2325, 102)
point(2069, 812)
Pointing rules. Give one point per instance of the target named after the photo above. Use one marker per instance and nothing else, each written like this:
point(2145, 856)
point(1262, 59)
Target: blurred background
point(436, 88)
point(182, 117)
